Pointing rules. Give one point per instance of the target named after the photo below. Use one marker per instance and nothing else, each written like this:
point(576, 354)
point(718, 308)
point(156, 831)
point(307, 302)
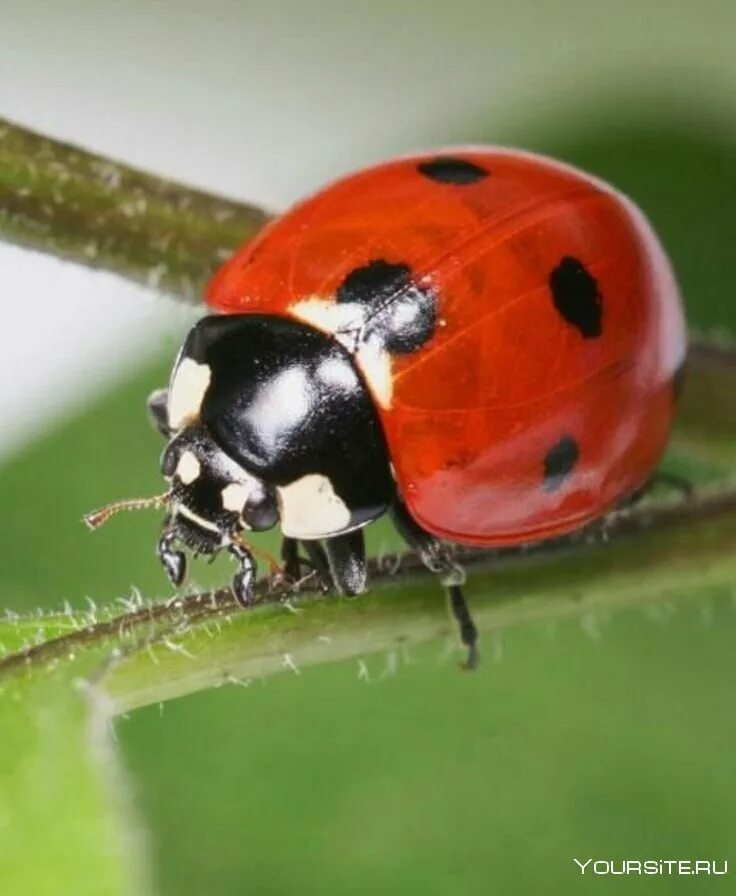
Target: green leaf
point(65, 826)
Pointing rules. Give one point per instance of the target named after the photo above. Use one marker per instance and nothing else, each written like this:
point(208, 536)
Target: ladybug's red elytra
point(482, 343)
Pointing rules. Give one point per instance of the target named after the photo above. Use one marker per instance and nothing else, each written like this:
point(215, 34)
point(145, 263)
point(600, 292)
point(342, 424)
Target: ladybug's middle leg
point(435, 557)
point(290, 558)
point(338, 561)
point(315, 561)
point(346, 560)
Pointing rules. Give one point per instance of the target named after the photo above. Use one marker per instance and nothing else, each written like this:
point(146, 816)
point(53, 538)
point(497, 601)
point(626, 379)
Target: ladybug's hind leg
point(435, 557)
point(676, 483)
point(672, 481)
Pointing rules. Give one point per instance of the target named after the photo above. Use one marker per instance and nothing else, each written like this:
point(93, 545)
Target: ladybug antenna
point(97, 517)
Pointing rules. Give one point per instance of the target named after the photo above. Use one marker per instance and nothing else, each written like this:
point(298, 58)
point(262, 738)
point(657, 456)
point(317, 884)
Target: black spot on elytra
point(576, 296)
point(451, 170)
point(678, 380)
point(374, 281)
point(559, 462)
point(398, 311)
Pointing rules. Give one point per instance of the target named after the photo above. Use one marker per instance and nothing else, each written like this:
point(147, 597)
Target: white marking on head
point(188, 468)
point(234, 497)
point(345, 321)
point(309, 508)
point(187, 391)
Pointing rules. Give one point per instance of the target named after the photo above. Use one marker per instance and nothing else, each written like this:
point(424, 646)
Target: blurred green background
point(609, 737)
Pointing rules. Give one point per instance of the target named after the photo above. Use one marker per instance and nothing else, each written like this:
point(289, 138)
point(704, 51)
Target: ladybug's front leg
point(173, 561)
point(244, 578)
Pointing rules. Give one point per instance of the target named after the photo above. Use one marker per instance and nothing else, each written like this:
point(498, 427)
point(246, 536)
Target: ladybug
point(482, 343)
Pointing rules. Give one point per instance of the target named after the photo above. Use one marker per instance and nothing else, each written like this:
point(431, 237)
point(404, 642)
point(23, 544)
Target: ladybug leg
point(468, 630)
point(346, 560)
point(244, 578)
point(632, 499)
point(157, 402)
point(670, 480)
point(316, 561)
point(436, 558)
point(290, 558)
point(174, 562)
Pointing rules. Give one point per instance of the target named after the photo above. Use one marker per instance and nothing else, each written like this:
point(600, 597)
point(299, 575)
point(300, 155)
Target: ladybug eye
point(169, 460)
point(257, 507)
point(260, 511)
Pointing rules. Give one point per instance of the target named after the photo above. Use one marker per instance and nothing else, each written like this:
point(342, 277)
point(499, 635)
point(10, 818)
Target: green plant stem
point(89, 209)
point(665, 564)
point(167, 650)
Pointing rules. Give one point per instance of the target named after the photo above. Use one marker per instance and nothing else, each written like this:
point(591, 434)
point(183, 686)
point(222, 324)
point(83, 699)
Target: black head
point(212, 498)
